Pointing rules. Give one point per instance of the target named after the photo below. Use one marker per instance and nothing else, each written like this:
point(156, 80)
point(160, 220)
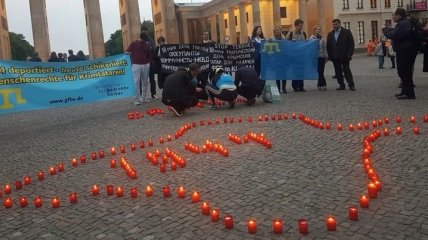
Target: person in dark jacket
point(406, 51)
point(71, 56)
point(340, 48)
point(247, 83)
point(53, 57)
point(158, 65)
point(179, 89)
point(80, 56)
point(35, 58)
point(61, 57)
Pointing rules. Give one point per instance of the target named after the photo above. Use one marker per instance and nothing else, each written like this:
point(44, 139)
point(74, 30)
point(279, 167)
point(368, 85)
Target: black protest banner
point(209, 56)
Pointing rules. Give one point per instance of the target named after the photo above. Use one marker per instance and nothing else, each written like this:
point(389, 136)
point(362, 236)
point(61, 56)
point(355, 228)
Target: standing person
point(179, 90)
point(369, 48)
point(152, 46)
point(257, 37)
point(406, 50)
point(247, 83)
point(140, 58)
point(157, 63)
point(61, 57)
point(380, 53)
point(340, 48)
point(53, 57)
point(203, 76)
point(322, 57)
point(390, 52)
point(206, 38)
point(71, 56)
point(35, 57)
point(278, 36)
point(80, 56)
point(222, 87)
point(297, 35)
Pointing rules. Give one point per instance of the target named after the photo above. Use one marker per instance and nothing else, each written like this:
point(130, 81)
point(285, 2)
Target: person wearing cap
point(222, 87)
point(179, 89)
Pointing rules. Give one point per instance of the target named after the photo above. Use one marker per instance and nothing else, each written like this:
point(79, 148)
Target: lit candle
point(205, 207)
point(386, 132)
point(73, 197)
point(252, 226)
point(378, 185)
point(303, 226)
point(8, 202)
point(339, 127)
point(112, 163)
point(331, 224)
point(351, 127)
point(74, 162)
point(161, 140)
point(101, 153)
point(18, 185)
point(416, 130)
point(181, 192)
point(83, 158)
point(372, 190)
point(149, 191)
point(7, 189)
point(162, 168)
point(195, 197)
point(134, 192)
point(215, 215)
point(173, 165)
point(328, 125)
point(113, 151)
point(364, 201)
point(228, 222)
point(122, 149)
point(412, 119)
point(133, 147)
point(38, 202)
point(398, 130)
point(277, 226)
point(52, 170)
point(150, 143)
point(60, 167)
point(56, 202)
point(374, 123)
point(426, 118)
point(353, 213)
point(110, 190)
point(166, 191)
point(250, 119)
point(95, 190)
point(386, 120)
point(27, 180)
point(23, 201)
point(398, 119)
point(119, 192)
point(93, 156)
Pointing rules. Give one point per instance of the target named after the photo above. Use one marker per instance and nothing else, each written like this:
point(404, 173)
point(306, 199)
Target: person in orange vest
point(369, 48)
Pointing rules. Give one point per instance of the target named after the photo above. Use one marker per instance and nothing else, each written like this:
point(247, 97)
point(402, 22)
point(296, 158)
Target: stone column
point(4, 34)
point(39, 23)
point(321, 16)
point(232, 26)
point(185, 28)
point(94, 28)
point(276, 13)
point(213, 22)
point(303, 15)
point(222, 27)
point(256, 13)
point(130, 21)
point(243, 23)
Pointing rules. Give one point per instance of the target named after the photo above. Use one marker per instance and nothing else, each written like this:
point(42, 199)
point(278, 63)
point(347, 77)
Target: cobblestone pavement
point(308, 173)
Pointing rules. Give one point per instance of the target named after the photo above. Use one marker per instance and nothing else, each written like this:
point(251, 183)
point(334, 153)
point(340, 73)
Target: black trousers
point(297, 84)
point(343, 67)
point(183, 103)
point(224, 94)
point(405, 62)
point(248, 92)
point(152, 81)
point(161, 79)
point(392, 61)
point(284, 84)
point(321, 67)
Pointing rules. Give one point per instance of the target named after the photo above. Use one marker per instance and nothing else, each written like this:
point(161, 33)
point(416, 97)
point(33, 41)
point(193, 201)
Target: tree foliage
point(149, 27)
point(20, 48)
point(114, 45)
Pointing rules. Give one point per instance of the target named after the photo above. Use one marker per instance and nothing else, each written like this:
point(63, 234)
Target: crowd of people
point(60, 57)
point(184, 88)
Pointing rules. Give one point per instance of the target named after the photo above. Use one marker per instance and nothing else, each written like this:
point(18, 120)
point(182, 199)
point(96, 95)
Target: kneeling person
point(179, 90)
point(223, 88)
point(248, 83)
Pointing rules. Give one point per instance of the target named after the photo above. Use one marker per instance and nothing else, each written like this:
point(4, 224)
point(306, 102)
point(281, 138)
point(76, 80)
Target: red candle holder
point(101, 154)
point(150, 143)
point(181, 192)
point(398, 130)
point(195, 197)
point(133, 147)
point(372, 190)
point(94, 156)
point(303, 226)
point(353, 213)
point(52, 171)
point(119, 191)
point(166, 191)
point(18, 185)
point(23, 201)
point(7, 202)
point(112, 163)
point(38, 202)
point(205, 208)
point(56, 203)
point(134, 192)
point(215, 215)
point(148, 191)
point(173, 166)
point(113, 151)
point(27, 180)
point(60, 167)
point(416, 130)
point(7, 189)
point(252, 226)
point(74, 162)
point(331, 224)
point(228, 222)
point(41, 175)
point(364, 201)
point(73, 197)
point(83, 159)
point(339, 127)
point(95, 190)
point(412, 119)
point(277, 226)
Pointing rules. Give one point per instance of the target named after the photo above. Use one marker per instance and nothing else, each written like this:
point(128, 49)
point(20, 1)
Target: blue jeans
point(381, 61)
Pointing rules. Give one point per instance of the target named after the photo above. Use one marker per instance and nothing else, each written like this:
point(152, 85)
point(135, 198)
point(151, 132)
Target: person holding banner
point(140, 58)
point(297, 35)
point(340, 48)
point(223, 88)
point(322, 57)
point(278, 36)
point(179, 89)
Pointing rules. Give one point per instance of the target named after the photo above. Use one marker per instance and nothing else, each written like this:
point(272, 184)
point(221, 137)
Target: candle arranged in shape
point(215, 215)
point(119, 192)
point(95, 190)
point(73, 197)
point(364, 201)
point(166, 191)
point(181, 192)
point(195, 197)
point(27, 180)
point(134, 192)
point(228, 222)
point(110, 190)
point(8, 202)
point(56, 202)
point(7, 189)
point(38, 202)
point(353, 213)
point(23, 201)
point(277, 226)
point(149, 191)
point(252, 226)
point(331, 224)
point(372, 190)
point(205, 207)
point(74, 162)
point(303, 226)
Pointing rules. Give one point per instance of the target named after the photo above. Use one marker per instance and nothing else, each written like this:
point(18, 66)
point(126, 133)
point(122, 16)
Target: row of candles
point(176, 159)
point(207, 146)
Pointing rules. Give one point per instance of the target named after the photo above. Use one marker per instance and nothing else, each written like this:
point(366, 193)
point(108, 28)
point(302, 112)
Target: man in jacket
point(248, 84)
point(340, 48)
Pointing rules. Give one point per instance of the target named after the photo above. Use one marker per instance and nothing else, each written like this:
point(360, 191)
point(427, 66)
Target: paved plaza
point(308, 173)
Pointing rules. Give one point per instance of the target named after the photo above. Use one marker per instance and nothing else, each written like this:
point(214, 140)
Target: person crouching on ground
point(223, 88)
point(247, 83)
point(179, 89)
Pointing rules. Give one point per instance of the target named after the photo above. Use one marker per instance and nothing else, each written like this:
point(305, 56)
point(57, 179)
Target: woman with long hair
point(257, 38)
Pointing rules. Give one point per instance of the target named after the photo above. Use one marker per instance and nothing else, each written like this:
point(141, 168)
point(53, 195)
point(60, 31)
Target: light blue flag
point(289, 60)
point(28, 86)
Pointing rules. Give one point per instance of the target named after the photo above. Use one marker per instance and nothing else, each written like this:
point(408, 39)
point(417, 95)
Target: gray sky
point(66, 21)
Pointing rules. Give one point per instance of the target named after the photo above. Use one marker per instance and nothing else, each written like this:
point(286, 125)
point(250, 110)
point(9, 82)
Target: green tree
point(20, 48)
point(114, 45)
point(149, 27)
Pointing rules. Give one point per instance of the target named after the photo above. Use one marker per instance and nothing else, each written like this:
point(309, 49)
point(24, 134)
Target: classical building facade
point(366, 18)
point(235, 19)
